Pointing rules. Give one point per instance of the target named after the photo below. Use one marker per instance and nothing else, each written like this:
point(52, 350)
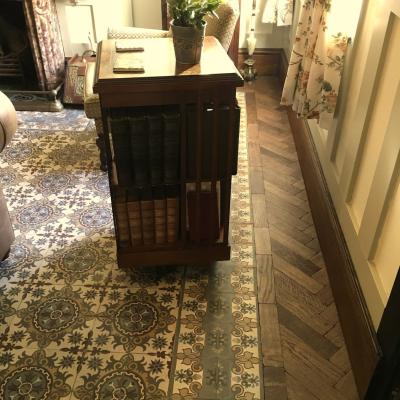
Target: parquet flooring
point(304, 355)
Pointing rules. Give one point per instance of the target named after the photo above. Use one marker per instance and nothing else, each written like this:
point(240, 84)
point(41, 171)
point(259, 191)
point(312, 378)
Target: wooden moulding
point(358, 331)
point(267, 61)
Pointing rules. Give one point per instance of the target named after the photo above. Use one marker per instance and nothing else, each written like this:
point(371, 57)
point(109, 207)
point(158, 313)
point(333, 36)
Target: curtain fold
point(316, 64)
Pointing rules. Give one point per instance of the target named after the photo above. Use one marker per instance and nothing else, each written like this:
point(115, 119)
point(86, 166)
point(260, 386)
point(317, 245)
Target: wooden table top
point(161, 68)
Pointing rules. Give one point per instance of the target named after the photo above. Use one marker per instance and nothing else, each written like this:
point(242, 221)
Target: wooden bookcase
point(210, 85)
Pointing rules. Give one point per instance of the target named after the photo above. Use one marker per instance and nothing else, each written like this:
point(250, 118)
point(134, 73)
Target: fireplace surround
point(31, 54)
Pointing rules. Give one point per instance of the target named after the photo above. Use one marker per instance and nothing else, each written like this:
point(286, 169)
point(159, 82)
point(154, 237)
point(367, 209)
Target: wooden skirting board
point(358, 331)
point(267, 61)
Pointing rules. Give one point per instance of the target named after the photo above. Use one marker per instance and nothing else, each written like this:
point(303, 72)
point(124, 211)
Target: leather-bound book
point(172, 214)
point(160, 216)
point(147, 214)
point(208, 220)
point(134, 217)
point(139, 149)
point(223, 121)
point(126, 63)
point(207, 141)
point(120, 133)
point(171, 147)
point(121, 219)
point(155, 124)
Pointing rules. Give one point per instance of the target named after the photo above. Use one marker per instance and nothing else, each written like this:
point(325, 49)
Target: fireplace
point(17, 69)
point(31, 54)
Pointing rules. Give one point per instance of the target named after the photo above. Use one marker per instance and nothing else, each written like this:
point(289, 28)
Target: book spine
point(209, 220)
point(139, 149)
point(171, 147)
point(223, 124)
point(236, 133)
point(155, 124)
point(160, 210)
point(147, 213)
point(172, 219)
point(135, 222)
point(121, 219)
point(190, 143)
point(207, 143)
point(121, 145)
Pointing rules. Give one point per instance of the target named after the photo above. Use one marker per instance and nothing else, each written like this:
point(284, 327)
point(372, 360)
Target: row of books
point(146, 144)
point(212, 148)
point(146, 217)
point(152, 216)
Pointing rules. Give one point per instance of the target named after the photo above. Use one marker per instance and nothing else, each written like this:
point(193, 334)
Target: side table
point(196, 111)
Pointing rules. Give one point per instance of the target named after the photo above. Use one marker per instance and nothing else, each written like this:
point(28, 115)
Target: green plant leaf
point(192, 12)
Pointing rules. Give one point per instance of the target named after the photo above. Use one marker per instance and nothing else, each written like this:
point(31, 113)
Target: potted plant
point(188, 27)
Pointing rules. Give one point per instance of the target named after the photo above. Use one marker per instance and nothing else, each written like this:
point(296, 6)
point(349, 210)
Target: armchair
point(8, 126)
point(222, 28)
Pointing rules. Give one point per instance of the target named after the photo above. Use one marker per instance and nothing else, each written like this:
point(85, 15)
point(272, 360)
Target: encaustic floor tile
point(138, 320)
point(38, 374)
point(164, 277)
point(51, 316)
point(86, 262)
point(123, 376)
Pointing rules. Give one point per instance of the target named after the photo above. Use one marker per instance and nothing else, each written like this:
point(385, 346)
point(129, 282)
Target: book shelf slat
point(183, 174)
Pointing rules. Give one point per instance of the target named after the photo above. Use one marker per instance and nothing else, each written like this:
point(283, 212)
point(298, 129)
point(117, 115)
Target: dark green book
point(171, 147)
point(120, 133)
point(206, 143)
point(155, 123)
point(223, 121)
point(139, 149)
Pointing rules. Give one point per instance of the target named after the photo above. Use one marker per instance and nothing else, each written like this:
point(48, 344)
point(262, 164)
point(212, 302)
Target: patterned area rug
point(75, 326)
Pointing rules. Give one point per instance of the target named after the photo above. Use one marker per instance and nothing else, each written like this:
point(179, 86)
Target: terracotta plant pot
point(188, 43)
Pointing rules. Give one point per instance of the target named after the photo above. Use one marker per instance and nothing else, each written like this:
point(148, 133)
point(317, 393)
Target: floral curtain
point(316, 64)
point(279, 12)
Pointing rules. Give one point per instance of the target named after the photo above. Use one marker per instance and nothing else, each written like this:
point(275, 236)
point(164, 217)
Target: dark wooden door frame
point(164, 15)
point(385, 383)
point(233, 50)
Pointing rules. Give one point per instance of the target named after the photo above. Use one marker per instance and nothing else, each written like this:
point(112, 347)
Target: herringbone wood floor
point(304, 355)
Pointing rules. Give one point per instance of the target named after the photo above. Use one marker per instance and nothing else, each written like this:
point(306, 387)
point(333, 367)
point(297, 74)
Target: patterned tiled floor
point(74, 326)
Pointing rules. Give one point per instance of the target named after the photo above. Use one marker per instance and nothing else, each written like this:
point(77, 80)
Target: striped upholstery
point(222, 27)
point(127, 32)
point(91, 100)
